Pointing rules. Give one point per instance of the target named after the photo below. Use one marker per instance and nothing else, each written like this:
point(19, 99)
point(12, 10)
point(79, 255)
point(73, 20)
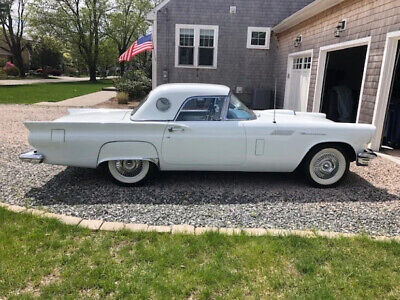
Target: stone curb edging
point(181, 229)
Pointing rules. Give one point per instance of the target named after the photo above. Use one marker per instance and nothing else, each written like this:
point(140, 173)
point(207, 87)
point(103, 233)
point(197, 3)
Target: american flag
point(142, 44)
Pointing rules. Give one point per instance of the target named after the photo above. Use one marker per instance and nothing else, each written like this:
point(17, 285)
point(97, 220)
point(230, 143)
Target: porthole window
point(163, 104)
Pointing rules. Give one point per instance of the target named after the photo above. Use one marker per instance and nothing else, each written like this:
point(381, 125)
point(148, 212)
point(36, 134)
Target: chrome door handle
point(175, 128)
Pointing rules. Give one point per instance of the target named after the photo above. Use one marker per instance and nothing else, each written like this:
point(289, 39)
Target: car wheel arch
point(348, 150)
point(128, 150)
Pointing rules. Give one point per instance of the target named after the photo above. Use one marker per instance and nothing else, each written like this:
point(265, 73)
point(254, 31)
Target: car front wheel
point(326, 167)
point(129, 172)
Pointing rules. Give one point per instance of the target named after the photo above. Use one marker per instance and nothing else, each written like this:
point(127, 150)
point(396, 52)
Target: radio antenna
point(274, 121)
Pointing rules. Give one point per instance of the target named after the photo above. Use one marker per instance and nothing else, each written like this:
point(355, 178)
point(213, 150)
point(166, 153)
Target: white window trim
point(196, 29)
point(321, 69)
point(267, 30)
point(385, 83)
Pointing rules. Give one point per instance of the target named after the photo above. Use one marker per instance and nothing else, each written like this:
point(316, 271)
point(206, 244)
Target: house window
point(307, 62)
point(196, 46)
point(302, 63)
point(258, 37)
point(298, 63)
point(206, 47)
point(186, 46)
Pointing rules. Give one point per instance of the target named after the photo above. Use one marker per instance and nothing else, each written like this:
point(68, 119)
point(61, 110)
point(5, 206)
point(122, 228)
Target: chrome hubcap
point(129, 168)
point(326, 166)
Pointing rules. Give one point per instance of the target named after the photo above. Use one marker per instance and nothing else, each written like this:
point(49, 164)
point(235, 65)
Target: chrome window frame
point(207, 96)
point(228, 98)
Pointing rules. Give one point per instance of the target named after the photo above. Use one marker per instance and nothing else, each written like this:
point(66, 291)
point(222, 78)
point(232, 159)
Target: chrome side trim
point(282, 132)
point(32, 157)
point(364, 157)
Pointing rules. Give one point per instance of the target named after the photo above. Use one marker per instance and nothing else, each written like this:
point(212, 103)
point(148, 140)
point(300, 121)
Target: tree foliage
point(77, 22)
point(126, 22)
point(13, 21)
point(46, 52)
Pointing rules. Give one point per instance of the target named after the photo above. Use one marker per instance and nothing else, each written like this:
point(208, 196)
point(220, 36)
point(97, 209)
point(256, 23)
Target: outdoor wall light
point(340, 27)
point(298, 40)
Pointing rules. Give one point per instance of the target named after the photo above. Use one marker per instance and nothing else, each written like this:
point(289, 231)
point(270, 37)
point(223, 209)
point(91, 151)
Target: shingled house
point(218, 41)
point(340, 57)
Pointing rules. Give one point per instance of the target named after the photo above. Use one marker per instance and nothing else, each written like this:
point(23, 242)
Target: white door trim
point(154, 53)
point(291, 56)
point(385, 81)
point(321, 69)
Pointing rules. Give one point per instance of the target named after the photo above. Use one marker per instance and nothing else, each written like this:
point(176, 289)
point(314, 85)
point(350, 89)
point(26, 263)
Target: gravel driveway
point(368, 201)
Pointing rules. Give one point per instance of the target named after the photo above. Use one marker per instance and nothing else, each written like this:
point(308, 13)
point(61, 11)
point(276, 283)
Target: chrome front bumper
point(364, 157)
point(32, 157)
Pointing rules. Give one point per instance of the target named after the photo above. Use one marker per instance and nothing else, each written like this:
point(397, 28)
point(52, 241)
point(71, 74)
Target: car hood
point(95, 116)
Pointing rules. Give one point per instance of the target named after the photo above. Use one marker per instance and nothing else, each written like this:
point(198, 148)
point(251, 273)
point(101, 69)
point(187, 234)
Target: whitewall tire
point(129, 172)
point(326, 167)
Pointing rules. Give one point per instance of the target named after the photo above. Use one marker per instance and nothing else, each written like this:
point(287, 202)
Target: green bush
point(3, 74)
point(3, 61)
point(135, 83)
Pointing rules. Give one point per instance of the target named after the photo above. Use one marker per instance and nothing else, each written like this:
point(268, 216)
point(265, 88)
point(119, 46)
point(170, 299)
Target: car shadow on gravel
point(76, 186)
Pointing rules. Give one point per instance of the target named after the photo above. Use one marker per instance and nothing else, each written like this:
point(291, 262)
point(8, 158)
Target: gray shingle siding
point(365, 18)
point(237, 65)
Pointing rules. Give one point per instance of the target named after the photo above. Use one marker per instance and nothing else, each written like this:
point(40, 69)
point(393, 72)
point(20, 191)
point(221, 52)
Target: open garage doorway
point(343, 76)
point(391, 129)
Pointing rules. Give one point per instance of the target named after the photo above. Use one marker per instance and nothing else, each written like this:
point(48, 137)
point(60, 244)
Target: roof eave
point(151, 16)
point(305, 13)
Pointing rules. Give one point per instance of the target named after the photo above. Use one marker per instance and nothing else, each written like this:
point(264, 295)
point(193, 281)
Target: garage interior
point(391, 132)
point(344, 71)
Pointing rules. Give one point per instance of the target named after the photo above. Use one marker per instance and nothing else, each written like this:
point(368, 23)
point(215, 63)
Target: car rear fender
point(128, 150)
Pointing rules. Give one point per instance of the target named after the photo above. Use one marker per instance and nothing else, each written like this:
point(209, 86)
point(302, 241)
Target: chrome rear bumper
point(364, 157)
point(32, 157)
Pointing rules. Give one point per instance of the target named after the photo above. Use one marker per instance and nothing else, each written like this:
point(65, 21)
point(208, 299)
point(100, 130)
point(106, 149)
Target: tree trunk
point(92, 73)
point(19, 62)
point(122, 66)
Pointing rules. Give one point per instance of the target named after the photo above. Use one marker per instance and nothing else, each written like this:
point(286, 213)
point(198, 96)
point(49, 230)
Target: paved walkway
point(51, 80)
point(82, 101)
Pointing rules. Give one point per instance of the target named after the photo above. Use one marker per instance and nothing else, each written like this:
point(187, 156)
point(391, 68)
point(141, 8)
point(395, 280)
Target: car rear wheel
point(129, 172)
point(326, 167)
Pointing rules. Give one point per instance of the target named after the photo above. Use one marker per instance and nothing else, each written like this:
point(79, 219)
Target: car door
point(200, 140)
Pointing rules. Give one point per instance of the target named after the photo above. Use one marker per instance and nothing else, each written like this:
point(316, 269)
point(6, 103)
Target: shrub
point(122, 98)
point(135, 83)
point(3, 74)
point(70, 71)
point(3, 61)
point(11, 69)
point(56, 72)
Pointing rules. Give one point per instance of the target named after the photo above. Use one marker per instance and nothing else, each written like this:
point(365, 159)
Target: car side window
point(202, 109)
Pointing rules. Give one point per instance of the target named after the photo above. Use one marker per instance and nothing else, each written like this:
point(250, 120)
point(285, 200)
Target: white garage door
point(297, 84)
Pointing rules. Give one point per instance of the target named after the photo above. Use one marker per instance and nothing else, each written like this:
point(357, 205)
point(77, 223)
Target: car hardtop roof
point(196, 89)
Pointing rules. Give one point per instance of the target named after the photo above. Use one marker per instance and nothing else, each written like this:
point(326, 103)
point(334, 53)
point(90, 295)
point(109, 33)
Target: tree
point(12, 18)
point(46, 52)
point(76, 22)
point(107, 55)
point(126, 22)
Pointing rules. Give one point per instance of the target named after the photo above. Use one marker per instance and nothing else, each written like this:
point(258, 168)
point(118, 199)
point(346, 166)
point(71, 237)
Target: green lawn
point(42, 257)
point(52, 92)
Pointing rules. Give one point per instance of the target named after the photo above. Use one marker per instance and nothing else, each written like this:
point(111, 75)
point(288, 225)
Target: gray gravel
point(368, 201)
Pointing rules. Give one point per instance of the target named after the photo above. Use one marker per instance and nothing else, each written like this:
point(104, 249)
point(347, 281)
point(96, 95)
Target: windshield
point(140, 104)
point(238, 111)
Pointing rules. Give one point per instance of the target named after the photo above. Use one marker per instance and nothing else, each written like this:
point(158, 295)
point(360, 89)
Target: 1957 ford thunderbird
point(200, 127)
